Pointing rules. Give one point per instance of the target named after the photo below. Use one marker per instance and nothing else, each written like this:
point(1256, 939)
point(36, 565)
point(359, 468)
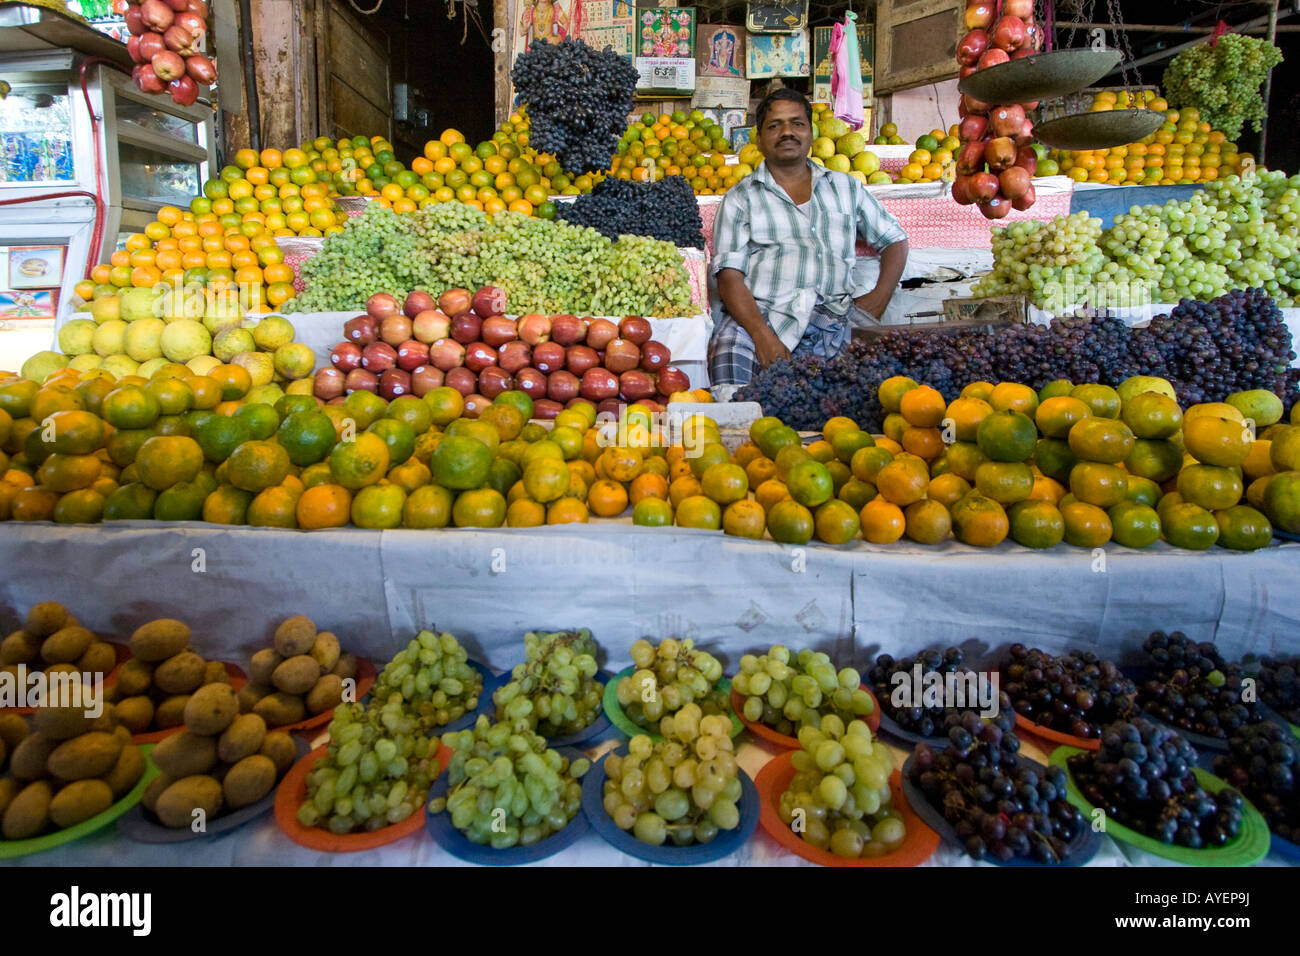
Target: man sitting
point(784, 246)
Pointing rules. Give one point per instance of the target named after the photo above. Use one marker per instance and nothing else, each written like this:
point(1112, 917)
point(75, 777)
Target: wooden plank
point(357, 59)
point(274, 26)
point(353, 114)
point(502, 44)
point(916, 42)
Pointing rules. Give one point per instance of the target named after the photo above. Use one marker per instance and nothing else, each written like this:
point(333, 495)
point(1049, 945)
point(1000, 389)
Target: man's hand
point(874, 303)
point(768, 348)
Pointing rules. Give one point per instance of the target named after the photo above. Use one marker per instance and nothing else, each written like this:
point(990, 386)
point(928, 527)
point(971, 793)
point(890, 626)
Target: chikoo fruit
point(80, 801)
point(176, 804)
point(158, 640)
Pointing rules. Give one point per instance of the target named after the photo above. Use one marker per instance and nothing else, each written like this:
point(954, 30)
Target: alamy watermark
point(24, 688)
point(961, 690)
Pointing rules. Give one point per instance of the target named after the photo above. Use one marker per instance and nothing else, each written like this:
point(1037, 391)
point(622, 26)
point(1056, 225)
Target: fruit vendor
point(784, 249)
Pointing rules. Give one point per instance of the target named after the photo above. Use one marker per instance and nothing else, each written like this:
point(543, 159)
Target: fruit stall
point(387, 502)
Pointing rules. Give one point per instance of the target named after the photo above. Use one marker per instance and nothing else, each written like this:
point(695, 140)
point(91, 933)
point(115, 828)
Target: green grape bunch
point(669, 677)
point(431, 680)
point(839, 798)
point(789, 693)
point(683, 789)
point(505, 788)
point(542, 265)
point(1223, 81)
point(554, 692)
point(375, 772)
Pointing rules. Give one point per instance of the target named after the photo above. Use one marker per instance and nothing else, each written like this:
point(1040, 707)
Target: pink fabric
point(845, 94)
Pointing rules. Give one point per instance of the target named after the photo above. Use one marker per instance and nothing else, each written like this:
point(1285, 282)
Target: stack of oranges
point(282, 192)
point(678, 144)
point(1184, 150)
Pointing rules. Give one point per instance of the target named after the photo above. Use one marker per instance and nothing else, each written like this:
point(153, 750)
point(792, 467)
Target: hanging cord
point(1122, 44)
point(353, 4)
point(1080, 16)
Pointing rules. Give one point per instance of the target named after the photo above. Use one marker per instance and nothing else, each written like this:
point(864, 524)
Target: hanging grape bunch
point(166, 44)
point(578, 100)
point(663, 210)
point(997, 162)
point(1223, 80)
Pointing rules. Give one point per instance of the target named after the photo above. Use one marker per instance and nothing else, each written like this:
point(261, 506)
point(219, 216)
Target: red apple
point(201, 70)
point(476, 405)
point(133, 49)
point(328, 383)
point(1007, 120)
point(979, 16)
point(498, 330)
point(531, 382)
point(381, 305)
point(1024, 9)
point(156, 15)
point(411, 354)
point(635, 329)
point(636, 384)
point(601, 332)
point(455, 301)
point(361, 380)
point(446, 354)
point(466, 327)
point(461, 379)
point(1014, 182)
point(378, 357)
point(972, 129)
point(1025, 201)
point(345, 356)
point(549, 357)
point(181, 40)
point(493, 381)
point(1027, 160)
point(960, 191)
point(395, 329)
point(580, 358)
point(430, 325)
point(562, 386)
point(134, 22)
point(534, 328)
point(489, 300)
point(545, 410)
point(964, 72)
point(362, 330)
point(972, 47)
point(418, 301)
point(621, 356)
point(151, 44)
point(654, 356)
point(609, 407)
point(425, 379)
point(982, 187)
point(183, 90)
point(996, 208)
point(975, 107)
point(394, 383)
point(567, 329)
point(1000, 153)
point(970, 159)
point(1009, 34)
point(148, 80)
point(672, 379)
point(993, 56)
point(513, 356)
point(479, 355)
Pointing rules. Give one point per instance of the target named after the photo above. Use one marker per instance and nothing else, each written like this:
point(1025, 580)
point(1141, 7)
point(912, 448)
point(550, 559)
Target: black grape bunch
point(663, 210)
point(578, 101)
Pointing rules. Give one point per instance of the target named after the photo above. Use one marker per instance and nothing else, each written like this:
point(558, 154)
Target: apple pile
point(996, 162)
point(166, 44)
point(465, 340)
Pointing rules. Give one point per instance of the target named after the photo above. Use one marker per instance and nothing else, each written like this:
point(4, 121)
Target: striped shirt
point(792, 261)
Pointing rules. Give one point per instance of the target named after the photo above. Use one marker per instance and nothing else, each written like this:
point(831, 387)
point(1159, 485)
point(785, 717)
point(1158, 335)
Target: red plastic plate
point(366, 675)
point(1047, 733)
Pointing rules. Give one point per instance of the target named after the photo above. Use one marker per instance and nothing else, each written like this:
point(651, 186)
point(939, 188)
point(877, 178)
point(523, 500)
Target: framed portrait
point(36, 267)
point(720, 51)
point(778, 54)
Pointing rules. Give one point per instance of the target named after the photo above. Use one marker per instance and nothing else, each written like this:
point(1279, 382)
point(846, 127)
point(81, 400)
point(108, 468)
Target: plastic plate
point(759, 729)
point(593, 729)
point(123, 653)
point(891, 729)
point(291, 793)
point(1078, 851)
point(140, 825)
point(1284, 848)
point(1285, 535)
point(724, 844)
point(11, 849)
point(366, 675)
point(460, 846)
point(1047, 733)
point(237, 680)
point(918, 845)
point(1250, 846)
point(466, 721)
point(625, 723)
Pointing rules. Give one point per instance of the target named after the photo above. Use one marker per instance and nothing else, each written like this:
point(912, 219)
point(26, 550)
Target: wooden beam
point(502, 45)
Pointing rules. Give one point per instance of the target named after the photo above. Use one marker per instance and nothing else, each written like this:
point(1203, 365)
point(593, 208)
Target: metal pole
point(1268, 85)
point(1173, 50)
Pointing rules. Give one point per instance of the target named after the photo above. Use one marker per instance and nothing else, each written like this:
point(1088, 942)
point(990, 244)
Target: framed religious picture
point(778, 54)
point(776, 16)
point(720, 50)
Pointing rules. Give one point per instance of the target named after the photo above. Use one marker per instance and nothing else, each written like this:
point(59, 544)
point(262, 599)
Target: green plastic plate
point(12, 849)
point(625, 723)
point(1249, 848)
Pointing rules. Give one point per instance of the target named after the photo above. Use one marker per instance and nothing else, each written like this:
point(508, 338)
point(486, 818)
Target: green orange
point(1036, 524)
point(1007, 436)
point(1134, 525)
point(789, 522)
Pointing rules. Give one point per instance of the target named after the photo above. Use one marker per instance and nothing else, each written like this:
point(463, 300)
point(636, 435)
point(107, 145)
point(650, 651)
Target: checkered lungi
point(732, 359)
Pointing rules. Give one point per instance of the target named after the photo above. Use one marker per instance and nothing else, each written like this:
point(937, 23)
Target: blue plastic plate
point(1285, 535)
point(458, 845)
point(724, 844)
point(593, 729)
point(1078, 852)
point(140, 825)
point(891, 729)
point(1284, 848)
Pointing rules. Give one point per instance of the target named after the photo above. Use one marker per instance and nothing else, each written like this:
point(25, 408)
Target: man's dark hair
point(784, 93)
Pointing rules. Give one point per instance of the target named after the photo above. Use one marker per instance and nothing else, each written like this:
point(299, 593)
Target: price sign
point(666, 76)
